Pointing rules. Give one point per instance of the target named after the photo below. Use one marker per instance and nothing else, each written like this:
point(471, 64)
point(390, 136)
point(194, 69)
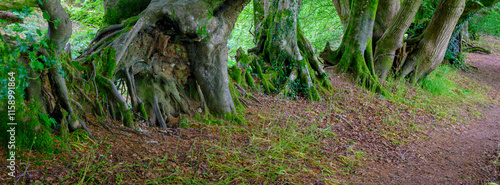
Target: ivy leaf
point(61, 71)
point(46, 15)
point(26, 11)
point(32, 56)
point(29, 36)
point(36, 65)
point(38, 32)
point(23, 48)
point(57, 22)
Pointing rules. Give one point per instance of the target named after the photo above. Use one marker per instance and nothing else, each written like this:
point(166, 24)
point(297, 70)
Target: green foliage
point(486, 21)
point(320, 23)
point(81, 38)
point(242, 34)
point(425, 11)
point(32, 130)
point(89, 12)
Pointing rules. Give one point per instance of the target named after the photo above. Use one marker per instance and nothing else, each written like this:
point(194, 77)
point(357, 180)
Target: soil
point(460, 155)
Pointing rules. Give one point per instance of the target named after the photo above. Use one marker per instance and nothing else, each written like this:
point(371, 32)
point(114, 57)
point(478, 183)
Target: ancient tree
point(166, 58)
point(434, 41)
point(373, 46)
point(355, 52)
point(167, 54)
point(283, 59)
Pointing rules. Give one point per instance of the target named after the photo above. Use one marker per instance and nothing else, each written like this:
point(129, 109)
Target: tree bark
point(392, 39)
point(58, 37)
point(286, 53)
point(167, 47)
point(355, 52)
point(387, 10)
point(343, 8)
point(261, 8)
point(431, 49)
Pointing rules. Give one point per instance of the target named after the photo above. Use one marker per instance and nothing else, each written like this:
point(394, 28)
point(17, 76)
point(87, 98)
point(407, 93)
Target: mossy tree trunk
point(386, 12)
point(165, 54)
point(57, 36)
point(283, 58)
point(355, 52)
point(392, 39)
point(430, 50)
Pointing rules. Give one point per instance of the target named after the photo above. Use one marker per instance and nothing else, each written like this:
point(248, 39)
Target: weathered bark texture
point(286, 54)
point(432, 47)
point(343, 9)
point(392, 39)
point(387, 10)
point(164, 55)
point(355, 51)
point(261, 8)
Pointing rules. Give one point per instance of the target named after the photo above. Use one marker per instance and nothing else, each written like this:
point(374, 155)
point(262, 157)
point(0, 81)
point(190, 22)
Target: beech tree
point(167, 54)
point(374, 55)
point(283, 58)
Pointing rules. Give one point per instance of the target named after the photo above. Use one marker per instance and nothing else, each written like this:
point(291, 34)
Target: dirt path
point(461, 155)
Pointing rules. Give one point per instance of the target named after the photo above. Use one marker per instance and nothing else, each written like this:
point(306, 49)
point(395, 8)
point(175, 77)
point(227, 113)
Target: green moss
point(106, 63)
point(249, 79)
point(314, 94)
point(143, 112)
point(373, 9)
point(105, 87)
point(235, 73)
point(235, 95)
point(264, 80)
point(123, 10)
point(33, 129)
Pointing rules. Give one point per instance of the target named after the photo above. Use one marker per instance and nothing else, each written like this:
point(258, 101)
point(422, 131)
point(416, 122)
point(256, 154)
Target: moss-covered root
point(287, 88)
point(110, 88)
point(354, 60)
point(264, 80)
point(305, 78)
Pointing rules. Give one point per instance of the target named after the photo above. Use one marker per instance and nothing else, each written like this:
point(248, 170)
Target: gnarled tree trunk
point(58, 36)
point(392, 39)
point(355, 51)
point(169, 51)
point(286, 54)
point(432, 47)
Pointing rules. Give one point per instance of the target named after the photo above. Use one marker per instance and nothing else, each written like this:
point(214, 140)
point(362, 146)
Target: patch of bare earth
point(462, 155)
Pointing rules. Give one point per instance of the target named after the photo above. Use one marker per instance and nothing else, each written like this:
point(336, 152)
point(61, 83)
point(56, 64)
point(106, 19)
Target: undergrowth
point(487, 21)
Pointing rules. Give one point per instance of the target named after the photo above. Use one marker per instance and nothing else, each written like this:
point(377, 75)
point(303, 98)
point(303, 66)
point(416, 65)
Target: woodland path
point(458, 155)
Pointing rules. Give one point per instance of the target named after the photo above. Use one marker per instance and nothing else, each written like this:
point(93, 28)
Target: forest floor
point(351, 137)
point(454, 156)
